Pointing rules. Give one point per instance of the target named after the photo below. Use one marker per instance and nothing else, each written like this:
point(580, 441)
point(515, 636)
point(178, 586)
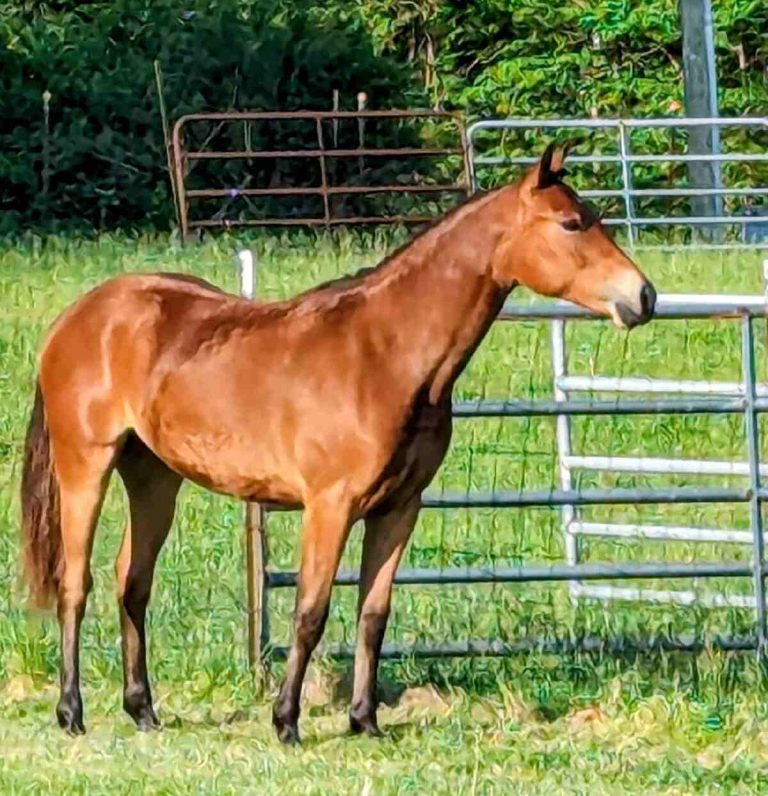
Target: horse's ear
point(559, 156)
point(551, 165)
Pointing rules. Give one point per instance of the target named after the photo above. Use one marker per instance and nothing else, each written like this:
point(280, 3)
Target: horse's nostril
point(647, 299)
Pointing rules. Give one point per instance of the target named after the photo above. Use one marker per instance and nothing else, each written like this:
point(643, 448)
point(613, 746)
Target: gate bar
point(533, 573)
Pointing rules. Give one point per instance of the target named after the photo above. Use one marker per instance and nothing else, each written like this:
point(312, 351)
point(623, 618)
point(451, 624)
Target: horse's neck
point(443, 300)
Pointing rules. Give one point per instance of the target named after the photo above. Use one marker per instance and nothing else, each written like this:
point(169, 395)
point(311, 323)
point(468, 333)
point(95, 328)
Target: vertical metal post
point(256, 565)
point(335, 124)
point(626, 179)
point(255, 533)
point(362, 101)
point(178, 175)
point(700, 83)
point(466, 156)
point(563, 442)
point(323, 172)
point(469, 159)
point(755, 507)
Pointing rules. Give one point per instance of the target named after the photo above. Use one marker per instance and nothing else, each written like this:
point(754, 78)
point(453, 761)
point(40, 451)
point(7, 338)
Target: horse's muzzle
point(630, 317)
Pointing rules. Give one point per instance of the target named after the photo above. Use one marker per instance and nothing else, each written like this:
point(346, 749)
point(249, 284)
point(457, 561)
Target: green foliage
point(603, 57)
point(100, 160)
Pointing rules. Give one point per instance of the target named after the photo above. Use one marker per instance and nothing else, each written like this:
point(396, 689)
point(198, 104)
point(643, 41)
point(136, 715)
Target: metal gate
point(746, 397)
point(645, 164)
point(316, 137)
point(617, 148)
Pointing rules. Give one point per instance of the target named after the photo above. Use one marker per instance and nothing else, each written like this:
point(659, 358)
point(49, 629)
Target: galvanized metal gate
point(622, 152)
point(618, 149)
point(746, 397)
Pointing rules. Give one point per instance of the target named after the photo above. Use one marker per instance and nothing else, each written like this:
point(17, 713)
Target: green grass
point(535, 723)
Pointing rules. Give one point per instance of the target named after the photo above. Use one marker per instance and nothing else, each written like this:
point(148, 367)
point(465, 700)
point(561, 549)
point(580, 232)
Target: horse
point(337, 401)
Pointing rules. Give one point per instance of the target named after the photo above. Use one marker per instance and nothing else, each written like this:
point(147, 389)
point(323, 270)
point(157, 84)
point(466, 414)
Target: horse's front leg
point(385, 539)
point(327, 520)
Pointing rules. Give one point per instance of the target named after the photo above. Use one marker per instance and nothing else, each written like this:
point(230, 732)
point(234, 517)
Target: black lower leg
point(362, 713)
point(309, 625)
point(137, 695)
point(69, 710)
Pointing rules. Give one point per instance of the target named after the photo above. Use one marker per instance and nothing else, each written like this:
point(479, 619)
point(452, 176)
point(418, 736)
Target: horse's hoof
point(141, 711)
point(364, 724)
point(70, 719)
point(286, 726)
point(148, 722)
point(288, 734)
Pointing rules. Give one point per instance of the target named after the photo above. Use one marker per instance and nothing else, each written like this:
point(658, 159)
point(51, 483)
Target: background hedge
point(99, 161)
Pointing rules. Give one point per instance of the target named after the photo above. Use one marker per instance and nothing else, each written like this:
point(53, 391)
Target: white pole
point(247, 273)
point(563, 438)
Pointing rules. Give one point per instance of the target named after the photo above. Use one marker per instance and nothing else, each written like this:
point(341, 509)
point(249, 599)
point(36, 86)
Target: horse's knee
point(309, 622)
point(133, 598)
point(372, 624)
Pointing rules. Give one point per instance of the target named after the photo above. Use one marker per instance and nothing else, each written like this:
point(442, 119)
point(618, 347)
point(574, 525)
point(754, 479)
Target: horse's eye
point(571, 224)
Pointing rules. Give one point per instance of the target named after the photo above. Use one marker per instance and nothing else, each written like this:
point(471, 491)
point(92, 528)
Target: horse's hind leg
point(83, 476)
point(152, 488)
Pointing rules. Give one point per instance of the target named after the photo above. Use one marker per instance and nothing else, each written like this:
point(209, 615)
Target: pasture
point(534, 723)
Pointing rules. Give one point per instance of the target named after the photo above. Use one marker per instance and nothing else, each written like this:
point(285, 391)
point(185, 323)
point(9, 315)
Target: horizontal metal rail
point(668, 307)
point(261, 154)
point(584, 645)
point(332, 190)
point(307, 115)
point(663, 596)
point(531, 573)
point(587, 497)
point(526, 160)
point(635, 384)
point(709, 121)
point(552, 408)
point(650, 464)
point(227, 223)
point(666, 533)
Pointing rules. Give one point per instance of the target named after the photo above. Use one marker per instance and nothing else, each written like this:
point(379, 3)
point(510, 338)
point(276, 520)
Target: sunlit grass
point(659, 724)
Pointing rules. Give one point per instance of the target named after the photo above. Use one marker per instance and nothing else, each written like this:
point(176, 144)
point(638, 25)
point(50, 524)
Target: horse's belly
point(222, 464)
point(223, 449)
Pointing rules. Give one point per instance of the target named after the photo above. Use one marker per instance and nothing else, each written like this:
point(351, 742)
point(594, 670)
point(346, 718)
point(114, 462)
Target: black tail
point(40, 511)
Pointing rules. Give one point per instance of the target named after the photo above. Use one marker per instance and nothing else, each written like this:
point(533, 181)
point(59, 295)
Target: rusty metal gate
point(318, 134)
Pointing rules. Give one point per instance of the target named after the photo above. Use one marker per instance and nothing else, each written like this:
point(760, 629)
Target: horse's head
point(556, 246)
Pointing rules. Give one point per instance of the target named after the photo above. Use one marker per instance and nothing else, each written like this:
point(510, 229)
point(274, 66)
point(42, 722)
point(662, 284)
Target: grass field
point(533, 724)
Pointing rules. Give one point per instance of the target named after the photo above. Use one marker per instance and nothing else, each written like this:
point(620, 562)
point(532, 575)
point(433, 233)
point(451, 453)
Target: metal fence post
point(755, 507)
point(255, 532)
point(626, 178)
point(563, 439)
point(256, 565)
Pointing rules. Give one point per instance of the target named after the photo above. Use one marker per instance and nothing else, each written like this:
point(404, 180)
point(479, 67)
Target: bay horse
point(337, 401)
